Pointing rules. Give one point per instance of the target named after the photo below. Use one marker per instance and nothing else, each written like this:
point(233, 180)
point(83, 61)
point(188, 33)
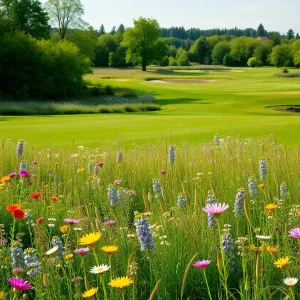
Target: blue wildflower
point(239, 203)
point(113, 196)
point(252, 186)
point(171, 156)
point(144, 234)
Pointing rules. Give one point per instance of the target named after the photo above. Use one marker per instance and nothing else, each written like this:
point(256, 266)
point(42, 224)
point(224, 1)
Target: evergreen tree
point(101, 30)
point(290, 34)
point(121, 28)
point(260, 30)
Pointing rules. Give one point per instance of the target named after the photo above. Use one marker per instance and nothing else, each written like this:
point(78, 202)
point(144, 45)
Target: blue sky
point(277, 15)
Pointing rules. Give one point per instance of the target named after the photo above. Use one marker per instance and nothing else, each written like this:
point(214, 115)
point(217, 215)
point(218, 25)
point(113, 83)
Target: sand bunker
point(182, 81)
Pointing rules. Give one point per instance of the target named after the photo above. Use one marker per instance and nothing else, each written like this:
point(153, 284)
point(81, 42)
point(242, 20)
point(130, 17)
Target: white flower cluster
point(156, 234)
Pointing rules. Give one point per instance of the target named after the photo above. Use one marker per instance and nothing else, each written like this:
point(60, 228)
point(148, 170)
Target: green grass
point(236, 103)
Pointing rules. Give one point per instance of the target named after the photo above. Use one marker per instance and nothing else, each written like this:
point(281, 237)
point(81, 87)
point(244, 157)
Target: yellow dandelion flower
point(90, 239)
point(121, 282)
point(271, 249)
point(90, 293)
point(298, 213)
point(80, 170)
point(110, 249)
point(261, 186)
point(4, 179)
point(282, 262)
point(271, 207)
point(69, 256)
point(64, 228)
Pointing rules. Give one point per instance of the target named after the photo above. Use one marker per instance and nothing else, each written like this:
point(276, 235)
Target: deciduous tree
point(65, 14)
point(143, 42)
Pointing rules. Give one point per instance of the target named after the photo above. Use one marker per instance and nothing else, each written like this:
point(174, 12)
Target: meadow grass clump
point(144, 222)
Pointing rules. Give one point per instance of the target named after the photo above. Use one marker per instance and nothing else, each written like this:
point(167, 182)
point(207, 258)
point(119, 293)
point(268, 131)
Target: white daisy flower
point(290, 281)
point(99, 269)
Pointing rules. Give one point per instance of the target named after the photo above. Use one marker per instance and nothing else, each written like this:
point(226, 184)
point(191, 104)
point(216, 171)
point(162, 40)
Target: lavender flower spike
point(144, 234)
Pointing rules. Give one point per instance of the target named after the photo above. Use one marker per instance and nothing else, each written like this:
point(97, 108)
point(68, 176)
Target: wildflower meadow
point(219, 220)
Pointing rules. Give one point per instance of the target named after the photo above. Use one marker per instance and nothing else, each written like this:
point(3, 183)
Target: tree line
point(46, 50)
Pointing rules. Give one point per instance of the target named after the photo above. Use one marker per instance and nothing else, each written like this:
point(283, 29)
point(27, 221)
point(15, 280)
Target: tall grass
point(86, 106)
point(245, 270)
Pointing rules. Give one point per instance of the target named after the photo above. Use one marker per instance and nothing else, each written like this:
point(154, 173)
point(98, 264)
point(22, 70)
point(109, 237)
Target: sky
point(275, 15)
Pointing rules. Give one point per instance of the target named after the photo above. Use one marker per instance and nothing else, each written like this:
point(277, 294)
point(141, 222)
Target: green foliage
point(108, 90)
point(262, 52)
point(253, 62)
point(285, 70)
point(280, 54)
point(172, 61)
point(219, 51)
point(106, 44)
point(200, 51)
point(242, 49)
point(117, 59)
point(65, 14)
point(143, 42)
point(39, 69)
point(297, 59)
point(26, 16)
point(182, 57)
point(164, 62)
point(85, 40)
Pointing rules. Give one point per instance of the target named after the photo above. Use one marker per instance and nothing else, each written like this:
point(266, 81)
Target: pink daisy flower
point(117, 181)
point(82, 251)
point(295, 232)
point(100, 164)
point(201, 264)
point(109, 222)
point(19, 284)
point(11, 175)
point(71, 221)
point(163, 172)
point(215, 209)
point(24, 173)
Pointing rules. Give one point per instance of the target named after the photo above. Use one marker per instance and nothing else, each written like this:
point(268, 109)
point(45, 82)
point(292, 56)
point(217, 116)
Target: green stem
point(207, 286)
point(224, 267)
point(110, 269)
point(292, 293)
point(95, 255)
point(103, 286)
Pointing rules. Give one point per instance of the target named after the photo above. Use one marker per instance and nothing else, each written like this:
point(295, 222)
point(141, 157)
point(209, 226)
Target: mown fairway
point(229, 103)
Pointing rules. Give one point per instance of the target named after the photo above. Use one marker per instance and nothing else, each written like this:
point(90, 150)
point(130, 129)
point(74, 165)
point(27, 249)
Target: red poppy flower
point(18, 214)
point(36, 195)
point(54, 199)
point(12, 207)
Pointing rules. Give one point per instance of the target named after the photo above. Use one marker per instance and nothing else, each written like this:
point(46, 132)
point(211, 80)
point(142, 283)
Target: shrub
point(252, 62)
point(285, 70)
point(172, 61)
point(95, 91)
point(164, 62)
point(108, 90)
point(128, 93)
point(40, 69)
